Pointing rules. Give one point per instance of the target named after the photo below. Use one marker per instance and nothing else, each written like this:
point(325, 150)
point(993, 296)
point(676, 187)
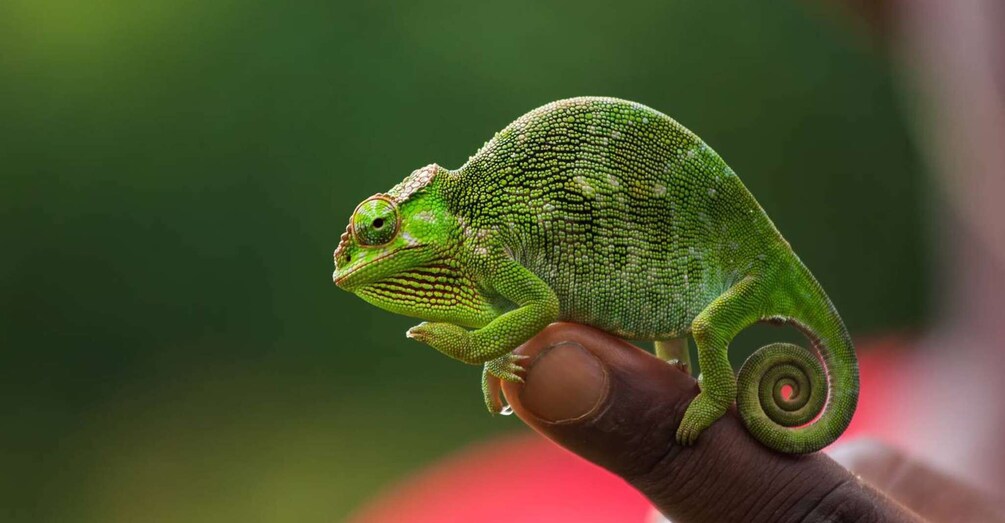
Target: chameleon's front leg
point(713, 329)
point(537, 306)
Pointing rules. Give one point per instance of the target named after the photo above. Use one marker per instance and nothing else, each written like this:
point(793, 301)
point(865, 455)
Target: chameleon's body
point(608, 213)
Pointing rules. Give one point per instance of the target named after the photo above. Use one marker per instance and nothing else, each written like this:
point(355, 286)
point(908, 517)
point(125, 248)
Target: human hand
point(933, 494)
point(618, 406)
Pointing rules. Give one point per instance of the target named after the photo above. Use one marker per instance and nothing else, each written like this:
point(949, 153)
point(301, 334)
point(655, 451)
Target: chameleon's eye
point(375, 221)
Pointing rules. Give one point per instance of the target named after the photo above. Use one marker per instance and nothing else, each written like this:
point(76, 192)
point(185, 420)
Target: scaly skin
point(607, 213)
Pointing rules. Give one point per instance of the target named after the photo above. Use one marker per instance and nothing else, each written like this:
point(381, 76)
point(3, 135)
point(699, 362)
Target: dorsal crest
point(415, 182)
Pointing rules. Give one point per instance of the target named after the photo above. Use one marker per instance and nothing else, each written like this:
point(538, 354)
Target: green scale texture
point(608, 213)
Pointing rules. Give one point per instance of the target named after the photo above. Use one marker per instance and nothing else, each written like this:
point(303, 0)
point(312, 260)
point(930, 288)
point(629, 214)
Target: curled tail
point(787, 400)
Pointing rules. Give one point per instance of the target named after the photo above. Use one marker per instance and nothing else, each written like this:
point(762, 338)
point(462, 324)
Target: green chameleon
point(608, 213)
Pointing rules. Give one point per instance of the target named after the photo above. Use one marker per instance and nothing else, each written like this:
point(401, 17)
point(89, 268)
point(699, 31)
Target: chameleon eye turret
point(376, 221)
point(611, 214)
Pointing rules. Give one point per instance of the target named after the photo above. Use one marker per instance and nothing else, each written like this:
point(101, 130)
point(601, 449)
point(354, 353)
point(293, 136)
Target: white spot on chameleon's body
point(659, 189)
point(584, 186)
point(477, 234)
point(613, 180)
point(426, 216)
point(549, 207)
point(615, 134)
point(462, 223)
point(409, 239)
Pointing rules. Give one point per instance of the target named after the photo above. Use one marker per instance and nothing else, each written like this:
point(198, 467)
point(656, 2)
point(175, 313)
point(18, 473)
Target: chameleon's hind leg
point(675, 352)
point(713, 329)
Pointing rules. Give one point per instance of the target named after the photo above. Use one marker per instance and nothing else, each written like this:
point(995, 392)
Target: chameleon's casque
point(608, 213)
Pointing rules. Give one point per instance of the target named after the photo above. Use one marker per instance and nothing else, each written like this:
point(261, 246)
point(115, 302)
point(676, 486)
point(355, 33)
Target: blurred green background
point(176, 174)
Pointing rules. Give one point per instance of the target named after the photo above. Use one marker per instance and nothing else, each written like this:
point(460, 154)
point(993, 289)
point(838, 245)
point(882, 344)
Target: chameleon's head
point(395, 251)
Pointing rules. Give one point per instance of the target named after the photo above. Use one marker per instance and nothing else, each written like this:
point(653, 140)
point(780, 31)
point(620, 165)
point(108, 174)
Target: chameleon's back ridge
point(608, 213)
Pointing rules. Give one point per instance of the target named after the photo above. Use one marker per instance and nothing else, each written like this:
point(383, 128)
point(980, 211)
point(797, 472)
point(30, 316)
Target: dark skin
point(619, 406)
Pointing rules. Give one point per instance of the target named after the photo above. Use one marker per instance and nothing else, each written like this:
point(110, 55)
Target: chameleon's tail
point(787, 400)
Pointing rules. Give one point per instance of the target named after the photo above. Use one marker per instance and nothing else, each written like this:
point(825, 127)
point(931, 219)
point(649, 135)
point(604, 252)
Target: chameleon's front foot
point(503, 368)
point(447, 338)
point(506, 367)
point(458, 343)
point(700, 414)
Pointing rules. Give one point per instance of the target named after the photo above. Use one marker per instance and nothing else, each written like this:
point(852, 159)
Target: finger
point(933, 494)
point(619, 407)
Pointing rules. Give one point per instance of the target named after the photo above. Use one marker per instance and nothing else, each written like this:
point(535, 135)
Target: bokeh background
point(174, 176)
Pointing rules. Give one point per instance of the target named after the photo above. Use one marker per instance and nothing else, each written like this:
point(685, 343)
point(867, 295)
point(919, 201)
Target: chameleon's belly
point(642, 301)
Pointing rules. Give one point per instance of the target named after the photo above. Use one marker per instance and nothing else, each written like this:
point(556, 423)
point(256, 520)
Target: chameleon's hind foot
point(503, 368)
point(675, 352)
point(700, 414)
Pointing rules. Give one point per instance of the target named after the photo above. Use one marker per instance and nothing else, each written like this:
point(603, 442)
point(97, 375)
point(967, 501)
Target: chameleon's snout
point(339, 278)
point(340, 273)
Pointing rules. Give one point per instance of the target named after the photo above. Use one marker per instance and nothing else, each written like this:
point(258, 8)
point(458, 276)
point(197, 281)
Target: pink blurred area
point(522, 478)
point(529, 479)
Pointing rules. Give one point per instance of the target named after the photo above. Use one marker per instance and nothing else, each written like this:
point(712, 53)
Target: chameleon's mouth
point(345, 279)
point(362, 274)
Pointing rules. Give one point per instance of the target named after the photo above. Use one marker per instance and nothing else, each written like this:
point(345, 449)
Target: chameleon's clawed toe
point(491, 392)
point(700, 414)
point(503, 368)
point(507, 367)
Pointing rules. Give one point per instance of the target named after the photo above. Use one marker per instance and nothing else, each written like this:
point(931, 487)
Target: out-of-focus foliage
point(174, 176)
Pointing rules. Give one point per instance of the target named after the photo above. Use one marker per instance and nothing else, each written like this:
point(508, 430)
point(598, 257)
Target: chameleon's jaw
point(349, 280)
point(352, 278)
point(336, 279)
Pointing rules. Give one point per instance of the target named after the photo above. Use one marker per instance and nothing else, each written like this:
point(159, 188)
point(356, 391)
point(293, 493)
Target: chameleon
point(608, 213)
